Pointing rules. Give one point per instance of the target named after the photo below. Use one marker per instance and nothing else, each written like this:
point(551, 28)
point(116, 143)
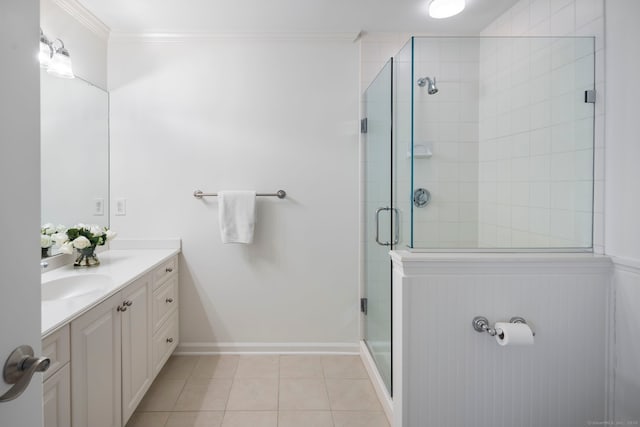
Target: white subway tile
point(540, 141)
point(520, 193)
point(561, 224)
point(563, 137)
point(587, 11)
point(521, 20)
point(541, 115)
point(540, 194)
point(563, 195)
point(539, 11)
point(539, 221)
point(563, 166)
point(563, 21)
point(540, 168)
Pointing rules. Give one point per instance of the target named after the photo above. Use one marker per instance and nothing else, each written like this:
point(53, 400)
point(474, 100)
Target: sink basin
point(69, 287)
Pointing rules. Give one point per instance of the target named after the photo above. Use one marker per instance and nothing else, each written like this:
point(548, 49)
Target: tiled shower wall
point(546, 145)
point(530, 214)
point(446, 123)
point(536, 142)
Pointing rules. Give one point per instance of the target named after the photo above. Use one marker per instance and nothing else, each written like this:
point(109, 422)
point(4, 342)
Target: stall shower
point(495, 155)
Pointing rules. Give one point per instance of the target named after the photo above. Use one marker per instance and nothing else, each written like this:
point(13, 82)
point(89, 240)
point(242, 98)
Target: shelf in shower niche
point(420, 152)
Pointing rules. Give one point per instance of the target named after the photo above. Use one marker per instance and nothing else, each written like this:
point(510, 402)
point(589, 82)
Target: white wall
point(255, 112)
point(446, 373)
point(83, 35)
point(622, 207)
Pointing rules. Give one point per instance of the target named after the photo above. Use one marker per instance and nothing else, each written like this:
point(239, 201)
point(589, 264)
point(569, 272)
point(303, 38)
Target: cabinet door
point(136, 344)
point(95, 366)
point(56, 401)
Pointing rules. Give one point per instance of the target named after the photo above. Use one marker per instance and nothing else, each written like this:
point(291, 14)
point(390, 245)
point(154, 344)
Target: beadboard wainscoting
point(627, 341)
point(446, 373)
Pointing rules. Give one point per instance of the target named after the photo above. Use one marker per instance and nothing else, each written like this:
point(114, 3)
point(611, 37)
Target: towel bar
point(280, 194)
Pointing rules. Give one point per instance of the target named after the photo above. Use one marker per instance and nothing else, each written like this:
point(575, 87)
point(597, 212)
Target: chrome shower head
point(431, 84)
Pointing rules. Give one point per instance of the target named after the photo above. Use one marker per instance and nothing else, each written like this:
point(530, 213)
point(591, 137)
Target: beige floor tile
point(195, 419)
point(222, 366)
point(352, 395)
point(178, 367)
point(203, 394)
point(359, 419)
point(260, 366)
point(162, 395)
point(250, 419)
point(343, 367)
point(305, 419)
point(303, 366)
point(303, 394)
point(253, 394)
point(148, 419)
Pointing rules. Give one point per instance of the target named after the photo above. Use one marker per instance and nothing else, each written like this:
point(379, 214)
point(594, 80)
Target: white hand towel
point(237, 215)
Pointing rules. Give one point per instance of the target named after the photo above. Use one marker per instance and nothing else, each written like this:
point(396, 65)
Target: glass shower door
point(380, 230)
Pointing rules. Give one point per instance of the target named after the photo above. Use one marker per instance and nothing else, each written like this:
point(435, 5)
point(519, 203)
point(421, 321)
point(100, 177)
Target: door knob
point(19, 368)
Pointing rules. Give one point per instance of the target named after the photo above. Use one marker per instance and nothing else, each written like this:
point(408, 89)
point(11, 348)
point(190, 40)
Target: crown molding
point(174, 37)
point(84, 17)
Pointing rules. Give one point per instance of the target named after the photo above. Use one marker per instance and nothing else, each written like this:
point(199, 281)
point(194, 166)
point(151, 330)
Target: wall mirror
point(74, 152)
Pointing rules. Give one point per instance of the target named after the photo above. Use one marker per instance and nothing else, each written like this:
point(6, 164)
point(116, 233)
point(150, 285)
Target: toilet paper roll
point(513, 334)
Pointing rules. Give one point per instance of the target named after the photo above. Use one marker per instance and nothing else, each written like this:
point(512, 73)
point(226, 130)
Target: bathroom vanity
point(108, 331)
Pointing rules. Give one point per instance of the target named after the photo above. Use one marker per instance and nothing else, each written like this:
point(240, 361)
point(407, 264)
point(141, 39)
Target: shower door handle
point(395, 216)
point(378, 227)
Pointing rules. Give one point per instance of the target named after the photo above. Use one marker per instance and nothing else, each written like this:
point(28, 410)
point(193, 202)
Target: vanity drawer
point(165, 301)
point(164, 342)
point(56, 347)
point(166, 270)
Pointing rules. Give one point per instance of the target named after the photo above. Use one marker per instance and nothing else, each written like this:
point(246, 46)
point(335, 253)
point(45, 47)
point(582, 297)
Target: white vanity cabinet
point(96, 380)
point(165, 313)
point(105, 359)
point(56, 385)
point(137, 374)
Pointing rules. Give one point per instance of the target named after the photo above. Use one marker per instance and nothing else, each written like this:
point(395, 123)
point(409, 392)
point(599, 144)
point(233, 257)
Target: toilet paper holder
point(481, 324)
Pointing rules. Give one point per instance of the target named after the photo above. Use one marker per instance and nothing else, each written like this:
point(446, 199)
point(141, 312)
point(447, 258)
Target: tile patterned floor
point(261, 391)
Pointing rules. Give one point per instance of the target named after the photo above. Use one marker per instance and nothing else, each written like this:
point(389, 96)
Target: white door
point(20, 200)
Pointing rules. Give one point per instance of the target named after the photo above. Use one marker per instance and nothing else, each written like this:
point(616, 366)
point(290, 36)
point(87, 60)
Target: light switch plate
point(121, 207)
point(98, 206)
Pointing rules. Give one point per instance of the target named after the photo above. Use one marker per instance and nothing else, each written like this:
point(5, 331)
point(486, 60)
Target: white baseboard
point(378, 384)
point(197, 348)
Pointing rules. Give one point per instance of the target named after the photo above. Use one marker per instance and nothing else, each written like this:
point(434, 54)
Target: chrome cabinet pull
point(168, 269)
point(121, 308)
point(169, 340)
point(19, 368)
point(128, 303)
point(169, 300)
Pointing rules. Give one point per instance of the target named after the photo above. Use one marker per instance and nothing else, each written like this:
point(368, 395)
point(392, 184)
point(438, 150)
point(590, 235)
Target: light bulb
point(445, 8)
point(60, 65)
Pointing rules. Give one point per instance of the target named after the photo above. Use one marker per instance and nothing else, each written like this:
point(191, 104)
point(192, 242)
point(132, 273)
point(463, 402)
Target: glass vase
point(86, 257)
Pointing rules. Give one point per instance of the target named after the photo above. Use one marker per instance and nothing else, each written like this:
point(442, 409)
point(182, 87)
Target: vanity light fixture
point(445, 8)
point(55, 58)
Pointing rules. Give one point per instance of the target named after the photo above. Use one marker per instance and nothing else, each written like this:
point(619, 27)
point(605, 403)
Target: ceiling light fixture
point(445, 8)
point(55, 58)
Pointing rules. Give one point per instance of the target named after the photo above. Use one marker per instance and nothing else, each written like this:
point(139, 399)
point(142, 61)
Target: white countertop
point(122, 266)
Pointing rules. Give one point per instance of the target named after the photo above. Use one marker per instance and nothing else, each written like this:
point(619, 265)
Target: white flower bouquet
point(83, 236)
